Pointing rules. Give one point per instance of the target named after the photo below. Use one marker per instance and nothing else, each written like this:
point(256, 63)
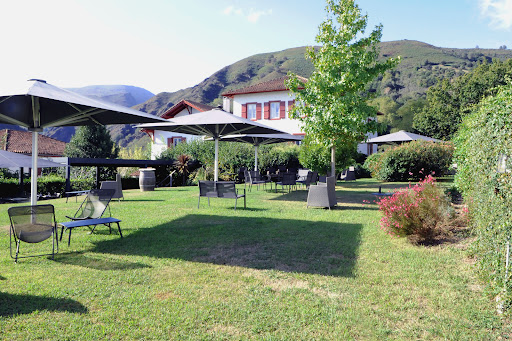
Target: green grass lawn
point(275, 270)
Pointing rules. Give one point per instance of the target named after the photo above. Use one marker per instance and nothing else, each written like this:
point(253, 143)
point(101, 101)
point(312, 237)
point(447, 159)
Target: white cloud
point(499, 12)
point(253, 16)
point(232, 10)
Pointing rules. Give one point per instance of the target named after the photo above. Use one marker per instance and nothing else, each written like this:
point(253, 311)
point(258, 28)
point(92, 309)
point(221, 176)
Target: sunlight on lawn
point(273, 270)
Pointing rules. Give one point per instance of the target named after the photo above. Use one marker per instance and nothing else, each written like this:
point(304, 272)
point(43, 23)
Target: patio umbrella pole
point(216, 167)
point(255, 158)
point(33, 180)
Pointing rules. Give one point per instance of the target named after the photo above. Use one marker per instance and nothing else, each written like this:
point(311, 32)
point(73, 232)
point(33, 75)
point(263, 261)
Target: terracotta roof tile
point(184, 103)
point(18, 141)
point(268, 86)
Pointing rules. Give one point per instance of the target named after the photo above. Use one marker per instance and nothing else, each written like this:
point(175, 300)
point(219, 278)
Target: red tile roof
point(183, 104)
point(268, 86)
point(18, 141)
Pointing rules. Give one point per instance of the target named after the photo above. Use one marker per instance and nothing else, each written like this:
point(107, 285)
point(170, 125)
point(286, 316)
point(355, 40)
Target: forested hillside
point(399, 93)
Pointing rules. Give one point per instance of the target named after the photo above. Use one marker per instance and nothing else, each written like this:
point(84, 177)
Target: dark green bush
point(373, 164)
point(282, 154)
point(130, 183)
point(83, 184)
point(232, 156)
point(317, 156)
point(484, 135)
point(9, 187)
point(411, 161)
point(51, 185)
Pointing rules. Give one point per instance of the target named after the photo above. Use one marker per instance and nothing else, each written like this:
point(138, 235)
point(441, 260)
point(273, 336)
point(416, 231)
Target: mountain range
point(422, 65)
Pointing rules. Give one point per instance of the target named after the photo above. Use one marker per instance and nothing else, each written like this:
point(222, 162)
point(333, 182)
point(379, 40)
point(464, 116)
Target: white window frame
point(275, 114)
point(176, 140)
point(251, 111)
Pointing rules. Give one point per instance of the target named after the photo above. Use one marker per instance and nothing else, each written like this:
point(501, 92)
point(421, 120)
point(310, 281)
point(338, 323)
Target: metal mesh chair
point(302, 175)
point(94, 204)
point(227, 189)
point(288, 180)
point(32, 224)
point(309, 179)
point(93, 207)
point(206, 189)
point(255, 178)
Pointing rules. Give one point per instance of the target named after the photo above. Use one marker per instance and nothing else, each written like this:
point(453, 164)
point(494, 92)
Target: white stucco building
point(267, 103)
point(161, 140)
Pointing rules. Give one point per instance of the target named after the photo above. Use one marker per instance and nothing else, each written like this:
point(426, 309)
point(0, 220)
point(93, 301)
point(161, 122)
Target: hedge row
point(411, 161)
point(232, 156)
point(484, 135)
point(54, 185)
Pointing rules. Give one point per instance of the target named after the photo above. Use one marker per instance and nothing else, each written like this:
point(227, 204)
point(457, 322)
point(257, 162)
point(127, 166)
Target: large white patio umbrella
point(16, 160)
point(39, 105)
point(261, 139)
point(400, 136)
point(214, 123)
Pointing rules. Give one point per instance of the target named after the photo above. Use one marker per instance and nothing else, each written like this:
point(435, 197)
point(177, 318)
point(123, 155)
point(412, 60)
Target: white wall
point(288, 125)
point(161, 137)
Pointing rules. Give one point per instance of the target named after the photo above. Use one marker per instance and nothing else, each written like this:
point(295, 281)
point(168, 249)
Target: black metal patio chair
point(289, 179)
point(32, 224)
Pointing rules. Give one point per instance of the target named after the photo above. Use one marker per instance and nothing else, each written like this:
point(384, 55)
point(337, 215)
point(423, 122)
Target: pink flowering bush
point(417, 212)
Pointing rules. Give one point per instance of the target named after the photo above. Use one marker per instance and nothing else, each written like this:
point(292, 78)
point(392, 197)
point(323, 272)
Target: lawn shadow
point(293, 195)
point(356, 200)
point(14, 304)
point(317, 247)
point(97, 263)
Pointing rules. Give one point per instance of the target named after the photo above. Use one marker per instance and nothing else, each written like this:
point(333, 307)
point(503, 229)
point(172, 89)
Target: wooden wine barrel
point(147, 179)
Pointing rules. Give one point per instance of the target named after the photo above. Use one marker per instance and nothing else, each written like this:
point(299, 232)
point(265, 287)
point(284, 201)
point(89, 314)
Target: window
point(251, 111)
point(176, 140)
point(173, 141)
point(274, 109)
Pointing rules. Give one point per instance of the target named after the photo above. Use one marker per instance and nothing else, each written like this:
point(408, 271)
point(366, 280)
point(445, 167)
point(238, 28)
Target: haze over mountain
point(422, 65)
point(125, 95)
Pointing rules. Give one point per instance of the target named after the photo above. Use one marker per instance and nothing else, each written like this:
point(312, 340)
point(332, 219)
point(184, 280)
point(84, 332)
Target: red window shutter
point(169, 142)
point(282, 112)
point(266, 110)
point(244, 110)
point(258, 111)
point(183, 139)
point(290, 105)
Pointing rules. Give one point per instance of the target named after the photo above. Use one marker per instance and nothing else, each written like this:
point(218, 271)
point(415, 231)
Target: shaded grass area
point(275, 270)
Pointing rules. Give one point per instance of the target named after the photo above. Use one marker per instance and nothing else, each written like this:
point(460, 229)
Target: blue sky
point(167, 45)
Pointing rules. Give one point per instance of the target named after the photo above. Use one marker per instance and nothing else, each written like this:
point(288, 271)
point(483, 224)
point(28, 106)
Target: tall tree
point(448, 102)
point(92, 142)
point(332, 104)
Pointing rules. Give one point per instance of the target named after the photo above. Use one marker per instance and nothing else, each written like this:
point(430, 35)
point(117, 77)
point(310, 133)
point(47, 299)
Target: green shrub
point(411, 161)
point(484, 135)
point(130, 183)
point(281, 154)
point(9, 187)
point(51, 185)
point(417, 212)
point(83, 184)
point(373, 164)
point(232, 156)
point(317, 157)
